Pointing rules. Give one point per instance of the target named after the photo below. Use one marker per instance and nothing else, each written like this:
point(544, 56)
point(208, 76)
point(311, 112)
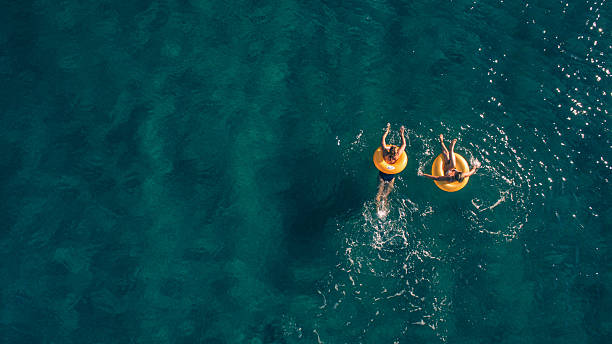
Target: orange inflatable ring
point(387, 168)
point(437, 169)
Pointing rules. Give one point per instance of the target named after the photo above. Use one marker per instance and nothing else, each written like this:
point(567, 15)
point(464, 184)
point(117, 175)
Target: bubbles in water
point(382, 213)
point(388, 270)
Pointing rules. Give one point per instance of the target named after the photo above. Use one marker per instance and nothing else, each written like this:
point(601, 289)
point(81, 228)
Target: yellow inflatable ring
point(437, 169)
point(384, 167)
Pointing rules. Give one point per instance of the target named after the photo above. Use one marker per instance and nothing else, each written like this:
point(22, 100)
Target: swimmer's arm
point(384, 143)
point(438, 178)
point(472, 171)
point(403, 147)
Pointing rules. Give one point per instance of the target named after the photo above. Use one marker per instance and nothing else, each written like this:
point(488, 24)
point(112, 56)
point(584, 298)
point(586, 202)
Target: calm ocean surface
point(200, 172)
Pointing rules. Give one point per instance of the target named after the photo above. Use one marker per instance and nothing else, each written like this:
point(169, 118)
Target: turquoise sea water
point(200, 172)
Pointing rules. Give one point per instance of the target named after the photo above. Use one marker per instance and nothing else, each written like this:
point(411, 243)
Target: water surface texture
point(200, 172)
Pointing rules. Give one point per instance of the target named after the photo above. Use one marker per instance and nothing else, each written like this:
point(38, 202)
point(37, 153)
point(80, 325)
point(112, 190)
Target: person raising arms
point(451, 174)
point(391, 154)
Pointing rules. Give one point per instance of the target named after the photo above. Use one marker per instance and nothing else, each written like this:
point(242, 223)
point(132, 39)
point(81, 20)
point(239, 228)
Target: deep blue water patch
point(200, 172)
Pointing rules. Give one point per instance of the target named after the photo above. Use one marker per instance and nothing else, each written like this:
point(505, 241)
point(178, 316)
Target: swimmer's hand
point(477, 164)
point(419, 173)
point(388, 126)
point(402, 129)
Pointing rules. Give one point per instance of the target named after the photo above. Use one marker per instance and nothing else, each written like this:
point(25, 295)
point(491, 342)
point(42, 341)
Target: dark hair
point(389, 155)
point(458, 176)
point(393, 151)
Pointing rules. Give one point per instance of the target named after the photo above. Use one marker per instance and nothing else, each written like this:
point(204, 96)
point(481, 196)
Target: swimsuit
point(386, 177)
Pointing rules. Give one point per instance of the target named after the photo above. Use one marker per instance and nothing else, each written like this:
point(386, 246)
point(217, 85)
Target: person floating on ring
point(390, 160)
point(449, 167)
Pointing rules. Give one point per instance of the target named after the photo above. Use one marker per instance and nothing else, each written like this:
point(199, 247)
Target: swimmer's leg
point(447, 156)
point(388, 189)
point(381, 198)
point(444, 150)
point(453, 162)
point(381, 188)
point(385, 196)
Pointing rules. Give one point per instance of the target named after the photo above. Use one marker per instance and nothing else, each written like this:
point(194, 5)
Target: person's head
point(391, 153)
point(455, 175)
point(458, 176)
